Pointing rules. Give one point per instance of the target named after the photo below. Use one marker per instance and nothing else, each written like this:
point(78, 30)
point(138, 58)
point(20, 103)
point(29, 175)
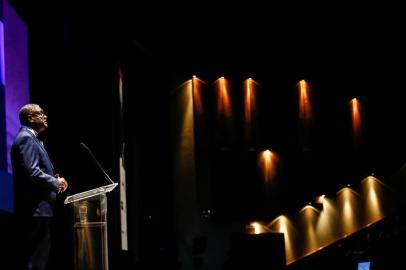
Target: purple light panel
point(16, 71)
point(14, 77)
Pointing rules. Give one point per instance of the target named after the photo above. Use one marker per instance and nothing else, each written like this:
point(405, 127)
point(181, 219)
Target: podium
point(90, 228)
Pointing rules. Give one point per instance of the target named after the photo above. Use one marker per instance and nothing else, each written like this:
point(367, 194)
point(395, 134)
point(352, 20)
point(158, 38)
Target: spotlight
point(320, 199)
point(318, 202)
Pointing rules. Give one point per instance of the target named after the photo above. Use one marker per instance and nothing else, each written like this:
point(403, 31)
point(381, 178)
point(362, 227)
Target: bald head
point(33, 116)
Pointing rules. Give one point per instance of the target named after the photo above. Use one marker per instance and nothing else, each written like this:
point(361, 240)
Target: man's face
point(38, 120)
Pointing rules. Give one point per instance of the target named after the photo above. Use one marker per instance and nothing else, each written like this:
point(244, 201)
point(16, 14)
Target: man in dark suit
point(36, 186)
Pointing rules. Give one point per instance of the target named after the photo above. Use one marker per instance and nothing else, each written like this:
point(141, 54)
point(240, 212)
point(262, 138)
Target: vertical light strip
point(15, 71)
point(14, 92)
point(355, 107)
point(223, 99)
point(305, 110)
point(123, 188)
point(249, 110)
point(283, 224)
point(3, 129)
point(197, 96)
point(2, 67)
point(305, 115)
point(267, 163)
point(249, 101)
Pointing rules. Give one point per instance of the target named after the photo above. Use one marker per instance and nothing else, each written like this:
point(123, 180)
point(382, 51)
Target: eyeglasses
point(40, 114)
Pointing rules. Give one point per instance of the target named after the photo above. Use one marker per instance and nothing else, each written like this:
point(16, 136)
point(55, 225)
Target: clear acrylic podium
point(90, 228)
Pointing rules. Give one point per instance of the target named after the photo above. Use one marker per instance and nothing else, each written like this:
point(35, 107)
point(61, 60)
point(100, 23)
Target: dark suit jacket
point(34, 182)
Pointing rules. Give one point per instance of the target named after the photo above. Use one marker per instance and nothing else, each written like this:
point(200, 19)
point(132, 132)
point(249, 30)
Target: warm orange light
point(305, 110)
point(308, 217)
point(356, 119)
point(197, 95)
point(249, 90)
point(256, 228)
point(283, 224)
point(249, 100)
point(373, 191)
point(327, 223)
point(339, 218)
point(223, 98)
point(320, 199)
point(348, 200)
point(184, 145)
point(268, 162)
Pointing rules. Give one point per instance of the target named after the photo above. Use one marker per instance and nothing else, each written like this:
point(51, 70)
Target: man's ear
point(30, 118)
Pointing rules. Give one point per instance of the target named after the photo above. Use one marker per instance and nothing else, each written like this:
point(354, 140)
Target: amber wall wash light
point(355, 107)
point(318, 224)
point(340, 216)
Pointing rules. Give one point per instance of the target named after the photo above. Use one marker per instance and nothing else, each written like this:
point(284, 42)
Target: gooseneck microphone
point(98, 164)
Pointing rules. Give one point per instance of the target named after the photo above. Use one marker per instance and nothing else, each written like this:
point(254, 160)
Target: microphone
point(98, 164)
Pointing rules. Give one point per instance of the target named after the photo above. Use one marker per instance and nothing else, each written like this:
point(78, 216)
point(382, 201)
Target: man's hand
point(63, 184)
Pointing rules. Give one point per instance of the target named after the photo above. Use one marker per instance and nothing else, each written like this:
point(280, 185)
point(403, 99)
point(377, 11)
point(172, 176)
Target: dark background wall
point(75, 53)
